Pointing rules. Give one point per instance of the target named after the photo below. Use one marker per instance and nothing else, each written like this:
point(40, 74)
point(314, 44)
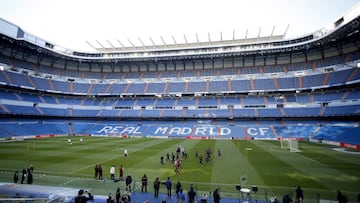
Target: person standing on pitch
point(125, 153)
point(121, 172)
point(118, 195)
point(16, 176)
point(216, 196)
point(96, 169)
point(128, 182)
point(191, 195)
point(299, 195)
point(144, 181)
point(168, 184)
point(112, 172)
point(23, 175)
point(156, 187)
point(100, 172)
point(178, 187)
point(29, 175)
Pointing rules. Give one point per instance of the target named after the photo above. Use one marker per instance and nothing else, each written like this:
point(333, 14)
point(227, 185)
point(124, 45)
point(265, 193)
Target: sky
point(70, 23)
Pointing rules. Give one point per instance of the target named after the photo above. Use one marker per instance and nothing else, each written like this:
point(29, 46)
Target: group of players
point(180, 154)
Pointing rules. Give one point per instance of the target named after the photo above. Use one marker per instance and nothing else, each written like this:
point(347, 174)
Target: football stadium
point(253, 119)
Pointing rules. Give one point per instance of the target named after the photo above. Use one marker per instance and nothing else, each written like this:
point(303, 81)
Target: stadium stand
point(284, 87)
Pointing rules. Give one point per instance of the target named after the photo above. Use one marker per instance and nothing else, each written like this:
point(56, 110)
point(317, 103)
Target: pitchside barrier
point(244, 191)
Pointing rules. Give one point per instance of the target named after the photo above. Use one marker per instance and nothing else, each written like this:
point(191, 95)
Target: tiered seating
point(41, 84)
point(145, 102)
point(165, 103)
point(250, 70)
point(81, 88)
point(150, 74)
point(269, 112)
point(244, 106)
point(313, 81)
point(18, 79)
point(55, 112)
point(243, 80)
point(116, 89)
point(352, 95)
point(203, 102)
point(284, 82)
point(150, 113)
point(347, 134)
point(342, 110)
point(155, 88)
point(22, 110)
point(218, 86)
point(186, 102)
point(264, 84)
point(240, 85)
point(273, 69)
point(230, 101)
point(326, 97)
point(84, 112)
point(172, 113)
point(288, 83)
point(339, 77)
point(302, 112)
point(303, 98)
point(243, 113)
point(61, 86)
point(253, 101)
point(97, 89)
point(136, 88)
point(291, 131)
point(130, 113)
point(298, 66)
point(196, 87)
point(229, 71)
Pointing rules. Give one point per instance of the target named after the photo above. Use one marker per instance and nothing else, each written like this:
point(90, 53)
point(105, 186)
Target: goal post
point(291, 144)
point(294, 146)
point(284, 143)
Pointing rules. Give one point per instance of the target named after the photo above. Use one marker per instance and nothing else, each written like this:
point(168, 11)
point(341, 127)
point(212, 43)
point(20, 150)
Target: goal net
point(291, 144)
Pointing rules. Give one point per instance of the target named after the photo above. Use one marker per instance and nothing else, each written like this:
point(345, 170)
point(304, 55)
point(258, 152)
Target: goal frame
point(291, 144)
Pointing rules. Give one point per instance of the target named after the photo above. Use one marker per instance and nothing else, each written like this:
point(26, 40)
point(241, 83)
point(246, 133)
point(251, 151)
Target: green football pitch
point(318, 169)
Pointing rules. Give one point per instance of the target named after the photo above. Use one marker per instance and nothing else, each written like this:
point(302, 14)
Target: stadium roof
point(262, 35)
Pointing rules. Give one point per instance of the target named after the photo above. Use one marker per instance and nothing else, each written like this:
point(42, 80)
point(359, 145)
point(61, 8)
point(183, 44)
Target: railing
point(25, 200)
point(251, 193)
point(203, 190)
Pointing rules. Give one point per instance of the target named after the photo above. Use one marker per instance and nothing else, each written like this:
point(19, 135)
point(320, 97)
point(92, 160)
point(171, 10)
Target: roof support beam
point(173, 38)
point(110, 44)
point(142, 42)
point(132, 44)
point(152, 41)
point(258, 37)
point(186, 41)
point(163, 41)
point(287, 28)
point(102, 46)
point(92, 46)
point(272, 32)
point(246, 34)
point(122, 45)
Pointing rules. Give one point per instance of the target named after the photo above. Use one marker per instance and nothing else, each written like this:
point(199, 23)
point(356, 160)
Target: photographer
point(81, 198)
